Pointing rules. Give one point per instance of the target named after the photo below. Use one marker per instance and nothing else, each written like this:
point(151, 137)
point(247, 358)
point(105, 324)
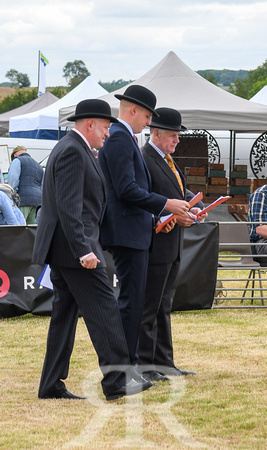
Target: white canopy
point(44, 123)
point(260, 97)
point(202, 104)
point(38, 103)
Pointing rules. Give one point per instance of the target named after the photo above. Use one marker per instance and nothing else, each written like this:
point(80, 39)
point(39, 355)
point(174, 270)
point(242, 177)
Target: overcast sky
point(126, 38)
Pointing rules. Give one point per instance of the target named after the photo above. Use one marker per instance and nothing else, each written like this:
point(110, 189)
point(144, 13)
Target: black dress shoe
point(174, 371)
point(152, 375)
point(132, 387)
point(61, 393)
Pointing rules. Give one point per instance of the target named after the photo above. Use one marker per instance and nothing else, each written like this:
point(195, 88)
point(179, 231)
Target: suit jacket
point(72, 205)
point(128, 217)
point(166, 247)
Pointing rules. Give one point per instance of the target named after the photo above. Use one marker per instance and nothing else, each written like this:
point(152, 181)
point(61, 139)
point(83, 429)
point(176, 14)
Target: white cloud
point(122, 39)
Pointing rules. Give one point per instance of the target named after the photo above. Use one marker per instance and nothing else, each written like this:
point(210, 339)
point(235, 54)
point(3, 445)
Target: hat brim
point(91, 116)
point(136, 102)
point(167, 127)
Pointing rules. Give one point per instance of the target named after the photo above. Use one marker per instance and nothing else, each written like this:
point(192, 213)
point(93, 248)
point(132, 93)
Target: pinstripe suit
point(155, 340)
point(72, 207)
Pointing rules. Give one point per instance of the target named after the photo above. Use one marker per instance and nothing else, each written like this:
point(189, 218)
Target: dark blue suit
point(128, 223)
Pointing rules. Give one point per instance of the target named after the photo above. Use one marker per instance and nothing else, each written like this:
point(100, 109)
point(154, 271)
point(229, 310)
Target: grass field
point(222, 407)
point(4, 91)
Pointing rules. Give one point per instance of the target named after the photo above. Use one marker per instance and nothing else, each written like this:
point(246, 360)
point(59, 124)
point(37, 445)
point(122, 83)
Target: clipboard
point(217, 202)
point(166, 219)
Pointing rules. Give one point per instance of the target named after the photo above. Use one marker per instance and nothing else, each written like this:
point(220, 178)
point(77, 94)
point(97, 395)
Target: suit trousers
point(131, 270)
point(155, 340)
point(87, 292)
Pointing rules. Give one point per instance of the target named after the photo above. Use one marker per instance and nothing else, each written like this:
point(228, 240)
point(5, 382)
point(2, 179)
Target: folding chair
point(234, 237)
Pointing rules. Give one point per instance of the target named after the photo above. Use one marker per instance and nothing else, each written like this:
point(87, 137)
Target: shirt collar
point(129, 128)
point(160, 152)
point(82, 136)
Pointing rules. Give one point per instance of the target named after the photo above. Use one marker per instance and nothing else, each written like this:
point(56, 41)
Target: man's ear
point(134, 109)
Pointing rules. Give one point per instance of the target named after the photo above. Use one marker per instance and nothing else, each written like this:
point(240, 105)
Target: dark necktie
point(135, 139)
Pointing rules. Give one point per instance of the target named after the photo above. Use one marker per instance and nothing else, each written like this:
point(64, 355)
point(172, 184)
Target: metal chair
point(234, 237)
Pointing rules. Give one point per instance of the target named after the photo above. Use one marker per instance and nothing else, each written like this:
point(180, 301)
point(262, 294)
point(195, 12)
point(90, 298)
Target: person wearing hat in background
point(155, 351)
point(67, 239)
point(9, 206)
point(25, 175)
point(127, 226)
point(1, 177)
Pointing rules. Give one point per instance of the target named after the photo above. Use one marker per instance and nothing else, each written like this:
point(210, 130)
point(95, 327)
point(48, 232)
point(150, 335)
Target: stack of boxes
point(239, 184)
point(217, 183)
point(257, 182)
point(191, 155)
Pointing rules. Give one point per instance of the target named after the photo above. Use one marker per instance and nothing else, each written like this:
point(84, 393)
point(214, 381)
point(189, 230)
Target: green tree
point(58, 91)
point(12, 75)
point(22, 97)
point(23, 80)
point(210, 77)
point(18, 79)
point(255, 80)
point(75, 72)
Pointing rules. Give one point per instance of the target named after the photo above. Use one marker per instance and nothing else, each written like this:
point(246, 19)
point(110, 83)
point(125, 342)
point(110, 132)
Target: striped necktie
point(172, 166)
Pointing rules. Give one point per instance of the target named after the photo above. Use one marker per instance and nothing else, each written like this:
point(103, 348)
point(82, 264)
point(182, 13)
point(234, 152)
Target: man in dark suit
point(127, 225)
point(155, 352)
point(67, 238)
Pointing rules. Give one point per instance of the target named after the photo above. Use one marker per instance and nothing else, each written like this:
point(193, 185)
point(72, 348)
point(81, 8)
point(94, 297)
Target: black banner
point(20, 293)
point(198, 270)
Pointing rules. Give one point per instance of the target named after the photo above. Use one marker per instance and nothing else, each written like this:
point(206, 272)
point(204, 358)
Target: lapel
point(166, 169)
point(137, 148)
point(90, 155)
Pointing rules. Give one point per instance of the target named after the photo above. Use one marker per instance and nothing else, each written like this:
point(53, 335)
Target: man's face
point(167, 140)
point(100, 131)
point(142, 119)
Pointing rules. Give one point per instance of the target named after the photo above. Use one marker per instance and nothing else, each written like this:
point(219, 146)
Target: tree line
point(242, 83)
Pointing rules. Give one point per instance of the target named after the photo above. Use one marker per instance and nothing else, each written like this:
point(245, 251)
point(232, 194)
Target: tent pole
point(231, 152)
point(234, 146)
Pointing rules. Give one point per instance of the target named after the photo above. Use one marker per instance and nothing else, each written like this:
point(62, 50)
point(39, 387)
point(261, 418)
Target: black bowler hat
point(167, 119)
point(140, 96)
point(93, 108)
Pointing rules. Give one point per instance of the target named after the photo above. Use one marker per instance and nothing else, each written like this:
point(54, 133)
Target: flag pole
point(39, 56)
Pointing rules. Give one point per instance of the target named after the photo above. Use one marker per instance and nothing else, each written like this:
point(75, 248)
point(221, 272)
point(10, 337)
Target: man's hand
point(90, 261)
point(168, 227)
point(201, 216)
point(178, 207)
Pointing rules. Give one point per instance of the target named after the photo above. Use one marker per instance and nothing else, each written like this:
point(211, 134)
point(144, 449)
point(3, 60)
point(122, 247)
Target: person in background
point(9, 206)
point(25, 175)
point(1, 177)
point(257, 212)
point(127, 225)
point(67, 239)
point(155, 351)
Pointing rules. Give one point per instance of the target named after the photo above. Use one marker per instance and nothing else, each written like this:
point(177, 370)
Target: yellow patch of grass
point(222, 407)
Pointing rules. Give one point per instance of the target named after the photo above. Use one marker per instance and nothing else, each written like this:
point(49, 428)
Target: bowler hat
point(167, 119)
point(140, 96)
point(92, 108)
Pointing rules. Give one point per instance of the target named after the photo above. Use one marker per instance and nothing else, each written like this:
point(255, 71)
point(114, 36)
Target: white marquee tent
point(43, 124)
point(38, 103)
point(202, 104)
point(260, 97)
